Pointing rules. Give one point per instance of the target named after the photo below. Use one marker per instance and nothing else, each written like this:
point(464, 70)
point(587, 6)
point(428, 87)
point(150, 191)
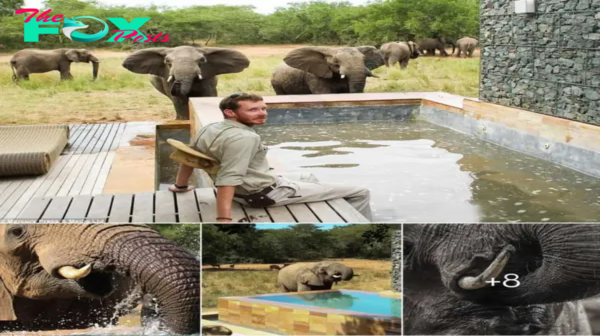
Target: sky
point(282, 226)
point(263, 7)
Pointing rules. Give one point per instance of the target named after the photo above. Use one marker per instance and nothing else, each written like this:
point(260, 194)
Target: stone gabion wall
point(397, 261)
point(547, 62)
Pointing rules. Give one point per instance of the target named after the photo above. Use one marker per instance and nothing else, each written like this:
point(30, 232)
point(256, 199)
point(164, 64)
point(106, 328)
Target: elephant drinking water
point(323, 70)
point(74, 276)
point(185, 71)
point(322, 275)
point(499, 279)
point(28, 61)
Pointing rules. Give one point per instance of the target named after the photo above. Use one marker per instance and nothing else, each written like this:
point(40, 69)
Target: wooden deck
point(167, 207)
point(82, 169)
point(71, 192)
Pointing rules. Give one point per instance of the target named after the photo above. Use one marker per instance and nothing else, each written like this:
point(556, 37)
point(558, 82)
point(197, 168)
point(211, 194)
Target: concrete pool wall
point(292, 319)
point(569, 143)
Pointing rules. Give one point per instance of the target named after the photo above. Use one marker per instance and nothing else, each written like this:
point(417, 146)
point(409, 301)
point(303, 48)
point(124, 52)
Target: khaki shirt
point(241, 153)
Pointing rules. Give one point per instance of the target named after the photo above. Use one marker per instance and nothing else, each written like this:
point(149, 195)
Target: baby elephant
point(274, 267)
point(322, 275)
point(31, 60)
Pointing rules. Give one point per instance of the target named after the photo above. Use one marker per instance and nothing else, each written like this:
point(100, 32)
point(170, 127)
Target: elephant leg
point(393, 60)
point(303, 288)
point(278, 89)
point(65, 73)
point(22, 73)
point(404, 64)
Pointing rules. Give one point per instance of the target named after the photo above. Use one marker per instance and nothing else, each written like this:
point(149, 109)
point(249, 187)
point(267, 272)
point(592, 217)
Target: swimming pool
point(356, 301)
point(331, 312)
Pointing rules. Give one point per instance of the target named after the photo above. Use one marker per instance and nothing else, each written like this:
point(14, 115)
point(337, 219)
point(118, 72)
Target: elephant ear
point(373, 57)
point(146, 61)
point(72, 55)
point(309, 278)
point(222, 61)
point(310, 59)
point(7, 312)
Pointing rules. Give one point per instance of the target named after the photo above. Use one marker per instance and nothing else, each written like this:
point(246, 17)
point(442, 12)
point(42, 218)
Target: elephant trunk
point(453, 48)
point(182, 78)
point(568, 269)
point(95, 66)
point(357, 81)
point(168, 272)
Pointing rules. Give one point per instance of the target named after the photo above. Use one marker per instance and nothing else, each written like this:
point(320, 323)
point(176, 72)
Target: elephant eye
point(16, 231)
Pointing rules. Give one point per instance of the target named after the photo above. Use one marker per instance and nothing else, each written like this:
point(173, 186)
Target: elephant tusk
point(336, 276)
point(494, 270)
point(343, 76)
point(71, 272)
point(200, 77)
point(170, 79)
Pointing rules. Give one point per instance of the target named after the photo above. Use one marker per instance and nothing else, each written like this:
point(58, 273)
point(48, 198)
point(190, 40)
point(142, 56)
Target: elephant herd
point(187, 71)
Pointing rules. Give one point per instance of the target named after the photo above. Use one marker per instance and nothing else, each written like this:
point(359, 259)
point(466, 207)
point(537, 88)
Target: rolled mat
point(31, 149)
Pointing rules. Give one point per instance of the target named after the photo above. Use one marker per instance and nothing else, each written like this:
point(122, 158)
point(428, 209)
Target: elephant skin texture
point(466, 46)
point(324, 70)
point(540, 275)
point(399, 52)
point(430, 45)
point(77, 276)
point(185, 71)
point(28, 61)
point(303, 277)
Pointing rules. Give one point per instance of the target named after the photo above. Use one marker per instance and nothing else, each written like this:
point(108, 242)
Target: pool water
point(362, 302)
point(419, 171)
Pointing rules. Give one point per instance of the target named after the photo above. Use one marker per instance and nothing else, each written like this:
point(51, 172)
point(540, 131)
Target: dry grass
point(252, 279)
point(119, 95)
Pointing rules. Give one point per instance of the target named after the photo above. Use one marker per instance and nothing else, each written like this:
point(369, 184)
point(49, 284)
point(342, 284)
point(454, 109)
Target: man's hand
point(224, 200)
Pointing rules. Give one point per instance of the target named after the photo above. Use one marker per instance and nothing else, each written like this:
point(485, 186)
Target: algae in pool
point(418, 171)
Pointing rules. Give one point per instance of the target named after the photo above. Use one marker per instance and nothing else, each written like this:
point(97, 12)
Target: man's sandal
point(176, 188)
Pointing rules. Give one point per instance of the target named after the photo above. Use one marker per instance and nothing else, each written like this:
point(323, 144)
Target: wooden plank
point(76, 180)
point(105, 170)
point(14, 185)
point(35, 209)
point(121, 208)
point(22, 185)
point(302, 213)
point(347, 211)
point(207, 203)
point(100, 208)
point(281, 214)
point(22, 201)
point(143, 208)
point(56, 209)
point(325, 212)
point(71, 170)
point(78, 209)
point(165, 207)
point(94, 173)
point(257, 215)
point(187, 207)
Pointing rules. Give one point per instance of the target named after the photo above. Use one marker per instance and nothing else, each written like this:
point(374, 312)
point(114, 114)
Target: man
point(244, 173)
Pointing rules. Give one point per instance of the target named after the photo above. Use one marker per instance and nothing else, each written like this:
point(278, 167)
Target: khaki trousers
point(304, 187)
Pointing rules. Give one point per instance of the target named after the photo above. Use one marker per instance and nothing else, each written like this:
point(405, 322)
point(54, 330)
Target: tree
point(8, 7)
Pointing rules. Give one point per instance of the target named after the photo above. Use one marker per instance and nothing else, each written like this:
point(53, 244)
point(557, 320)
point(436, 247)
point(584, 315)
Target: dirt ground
point(354, 263)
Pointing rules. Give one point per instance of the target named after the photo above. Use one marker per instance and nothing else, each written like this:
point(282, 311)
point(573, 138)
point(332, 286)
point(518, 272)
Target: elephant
point(324, 70)
point(274, 267)
point(439, 43)
point(303, 277)
point(499, 279)
point(401, 52)
point(76, 276)
point(31, 60)
point(185, 71)
point(466, 45)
